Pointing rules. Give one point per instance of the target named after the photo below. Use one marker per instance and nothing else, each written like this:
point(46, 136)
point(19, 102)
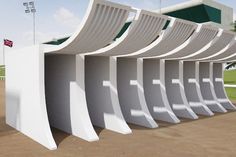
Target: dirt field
point(211, 137)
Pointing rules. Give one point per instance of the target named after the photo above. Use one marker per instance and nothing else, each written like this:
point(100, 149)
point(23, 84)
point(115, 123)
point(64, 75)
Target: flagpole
point(34, 26)
point(160, 6)
point(3, 54)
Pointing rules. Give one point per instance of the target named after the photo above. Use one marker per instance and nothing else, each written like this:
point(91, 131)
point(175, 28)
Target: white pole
point(3, 53)
point(34, 27)
point(160, 6)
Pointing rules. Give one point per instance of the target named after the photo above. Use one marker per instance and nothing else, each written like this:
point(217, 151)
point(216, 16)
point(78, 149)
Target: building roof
point(188, 4)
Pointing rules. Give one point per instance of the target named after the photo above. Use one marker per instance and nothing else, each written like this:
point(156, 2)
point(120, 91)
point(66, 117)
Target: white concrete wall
point(226, 13)
point(155, 91)
point(101, 94)
point(218, 82)
point(131, 93)
point(65, 96)
point(25, 98)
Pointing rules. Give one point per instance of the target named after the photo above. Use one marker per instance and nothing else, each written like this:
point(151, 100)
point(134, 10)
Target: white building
point(202, 11)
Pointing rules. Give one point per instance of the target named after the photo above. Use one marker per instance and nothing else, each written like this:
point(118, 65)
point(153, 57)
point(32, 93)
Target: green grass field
point(2, 71)
point(231, 92)
point(230, 78)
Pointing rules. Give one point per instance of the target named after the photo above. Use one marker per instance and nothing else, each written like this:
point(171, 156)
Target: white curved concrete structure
point(143, 30)
point(192, 88)
point(174, 75)
point(203, 35)
point(219, 51)
point(218, 82)
point(199, 41)
point(25, 97)
point(131, 93)
point(155, 91)
point(175, 90)
point(161, 109)
point(94, 78)
point(207, 87)
point(224, 56)
point(177, 32)
point(67, 108)
point(219, 44)
point(104, 22)
point(230, 59)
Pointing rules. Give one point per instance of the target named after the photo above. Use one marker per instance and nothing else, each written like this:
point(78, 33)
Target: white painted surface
point(131, 93)
point(103, 21)
point(192, 89)
point(219, 87)
point(101, 94)
point(65, 96)
point(25, 97)
point(155, 91)
point(175, 90)
point(226, 11)
point(207, 87)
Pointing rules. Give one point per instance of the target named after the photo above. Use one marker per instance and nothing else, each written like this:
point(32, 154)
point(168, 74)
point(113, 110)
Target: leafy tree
point(230, 65)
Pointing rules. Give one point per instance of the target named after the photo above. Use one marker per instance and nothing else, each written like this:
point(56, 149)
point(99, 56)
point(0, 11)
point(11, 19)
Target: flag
point(8, 43)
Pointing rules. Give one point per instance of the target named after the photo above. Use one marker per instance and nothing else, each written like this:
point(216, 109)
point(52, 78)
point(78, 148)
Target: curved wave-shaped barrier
point(25, 97)
point(218, 46)
point(155, 91)
point(65, 91)
point(203, 38)
point(177, 29)
point(131, 93)
point(101, 72)
point(175, 90)
point(192, 89)
point(207, 87)
point(218, 83)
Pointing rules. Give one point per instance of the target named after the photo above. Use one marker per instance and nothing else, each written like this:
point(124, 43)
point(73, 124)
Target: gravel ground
point(208, 136)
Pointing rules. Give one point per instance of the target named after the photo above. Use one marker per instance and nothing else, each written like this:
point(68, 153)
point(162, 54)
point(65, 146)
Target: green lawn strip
point(230, 77)
point(2, 71)
point(231, 92)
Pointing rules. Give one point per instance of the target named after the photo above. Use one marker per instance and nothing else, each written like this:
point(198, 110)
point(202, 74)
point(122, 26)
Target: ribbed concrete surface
point(215, 136)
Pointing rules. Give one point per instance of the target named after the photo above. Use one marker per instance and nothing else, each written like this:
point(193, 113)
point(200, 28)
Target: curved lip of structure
point(162, 36)
point(211, 58)
point(127, 32)
point(90, 10)
point(230, 58)
point(220, 33)
point(189, 41)
point(217, 37)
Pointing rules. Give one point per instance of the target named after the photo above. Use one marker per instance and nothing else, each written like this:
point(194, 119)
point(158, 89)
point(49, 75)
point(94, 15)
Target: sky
point(59, 18)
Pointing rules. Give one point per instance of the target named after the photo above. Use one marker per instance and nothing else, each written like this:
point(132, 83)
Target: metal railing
point(230, 86)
